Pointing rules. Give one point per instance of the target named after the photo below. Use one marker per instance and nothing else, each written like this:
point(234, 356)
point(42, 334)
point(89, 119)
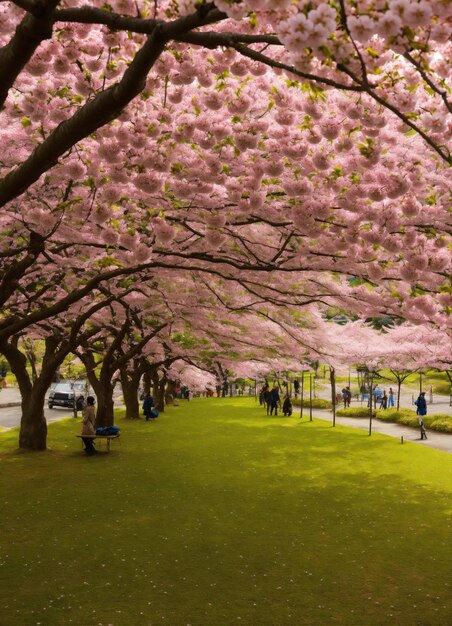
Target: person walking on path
point(274, 401)
point(344, 397)
point(89, 418)
point(296, 387)
point(421, 410)
point(391, 397)
point(384, 400)
point(148, 404)
point(349, 396)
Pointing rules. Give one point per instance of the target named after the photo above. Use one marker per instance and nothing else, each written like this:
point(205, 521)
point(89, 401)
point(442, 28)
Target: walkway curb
point(7, 405)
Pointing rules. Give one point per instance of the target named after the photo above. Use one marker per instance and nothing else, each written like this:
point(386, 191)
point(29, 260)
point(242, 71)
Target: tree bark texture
point(170, 392)
point(33, 425)
point(158, 390)
point(130, 383)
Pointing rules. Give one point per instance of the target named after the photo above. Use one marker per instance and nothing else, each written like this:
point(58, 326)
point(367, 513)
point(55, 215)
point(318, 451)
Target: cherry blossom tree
point(281, 155)
point(59, 339)
point(183, 115)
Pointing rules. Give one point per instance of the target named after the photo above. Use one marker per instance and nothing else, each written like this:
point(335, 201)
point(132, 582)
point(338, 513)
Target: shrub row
point(317, 403)
point(442, 388)
point(355, 411)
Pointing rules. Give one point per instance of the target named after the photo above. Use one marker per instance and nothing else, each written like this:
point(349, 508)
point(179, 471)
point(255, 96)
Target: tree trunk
point(399, 389)
point(130, 384)
point(170, 392)
point(105, 407)
point(103, 389)
point(147, 381)
point(160, 402)
point(158, 390)
point(33, 425)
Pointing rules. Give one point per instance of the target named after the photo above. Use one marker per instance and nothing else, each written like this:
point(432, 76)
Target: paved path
point(440, 441)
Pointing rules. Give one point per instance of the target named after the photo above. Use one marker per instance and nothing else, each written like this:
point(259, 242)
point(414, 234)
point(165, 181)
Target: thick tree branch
point(10, 278)
point(105, 107)
point(33, 29)
point(115, 21)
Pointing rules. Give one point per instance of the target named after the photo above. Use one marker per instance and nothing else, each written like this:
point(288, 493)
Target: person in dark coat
point(349, 395)
point(274, 400)
point(421, 410)
point(344, 397)
point(80, 403)
point(296, 386)
point(287, 406)
point(148, 404)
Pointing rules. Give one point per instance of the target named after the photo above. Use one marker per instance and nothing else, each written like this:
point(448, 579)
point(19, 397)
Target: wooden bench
point(108, 438)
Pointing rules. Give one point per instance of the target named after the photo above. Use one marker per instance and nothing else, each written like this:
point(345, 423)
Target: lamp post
point(310, 397)
point(371, 375)
point(302, 394)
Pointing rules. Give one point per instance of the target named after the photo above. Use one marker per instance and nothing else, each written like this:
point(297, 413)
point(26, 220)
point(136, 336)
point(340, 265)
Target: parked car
point(63, 394)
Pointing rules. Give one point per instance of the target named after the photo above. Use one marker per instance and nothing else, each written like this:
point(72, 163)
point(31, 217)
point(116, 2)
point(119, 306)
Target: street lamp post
point(302, 394)
point(310, 397)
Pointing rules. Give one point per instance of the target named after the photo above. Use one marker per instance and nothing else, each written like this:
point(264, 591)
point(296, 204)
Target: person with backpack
point(344, 397)
point(263, 395)
point(421, 410)
point(273, 401)
point(287, 406)
point(148, 405)
point(348, 394)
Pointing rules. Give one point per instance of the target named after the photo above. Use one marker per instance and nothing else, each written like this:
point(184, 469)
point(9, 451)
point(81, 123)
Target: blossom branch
point(35, 27)
point(441, 92)
point(198, 39)
point(445, 155)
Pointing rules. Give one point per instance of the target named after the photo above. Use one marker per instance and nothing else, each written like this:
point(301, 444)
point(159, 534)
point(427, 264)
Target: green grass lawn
point(216, 514)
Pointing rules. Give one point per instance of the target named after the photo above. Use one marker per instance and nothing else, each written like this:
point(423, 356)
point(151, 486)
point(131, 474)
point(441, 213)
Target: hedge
point(355, 411)
point(407, 417)
point(442, 388)
point(317, 403)
point(439, 422)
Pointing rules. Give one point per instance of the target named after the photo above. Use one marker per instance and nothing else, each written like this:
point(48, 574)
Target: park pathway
point(440, 441)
